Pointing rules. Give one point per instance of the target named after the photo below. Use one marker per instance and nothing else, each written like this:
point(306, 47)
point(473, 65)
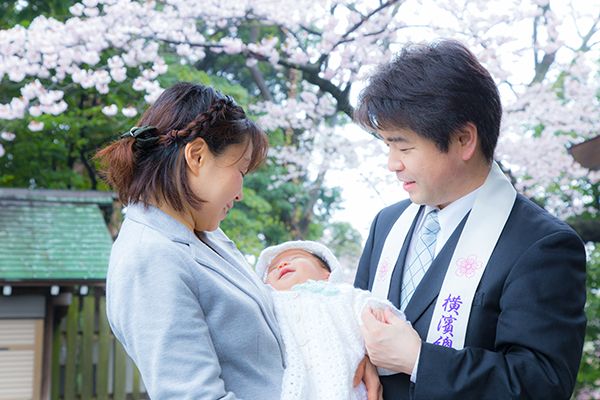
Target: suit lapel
point(430, 285)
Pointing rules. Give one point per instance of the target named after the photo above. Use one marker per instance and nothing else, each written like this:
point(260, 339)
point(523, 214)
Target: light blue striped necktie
point(421, 257)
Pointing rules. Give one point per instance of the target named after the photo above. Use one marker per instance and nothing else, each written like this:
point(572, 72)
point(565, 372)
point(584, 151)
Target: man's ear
point(196, 153)
point(467, 140)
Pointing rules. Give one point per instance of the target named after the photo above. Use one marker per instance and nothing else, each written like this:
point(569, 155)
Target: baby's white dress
point(319, 324)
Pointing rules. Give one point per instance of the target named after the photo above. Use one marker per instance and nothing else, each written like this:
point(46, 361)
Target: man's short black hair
point(434, 90)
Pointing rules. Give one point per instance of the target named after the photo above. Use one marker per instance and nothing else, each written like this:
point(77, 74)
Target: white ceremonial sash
point(391, 251)
point(477, 241)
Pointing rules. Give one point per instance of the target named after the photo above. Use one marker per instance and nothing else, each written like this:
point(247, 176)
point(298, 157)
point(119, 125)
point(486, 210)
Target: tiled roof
point(50, 235)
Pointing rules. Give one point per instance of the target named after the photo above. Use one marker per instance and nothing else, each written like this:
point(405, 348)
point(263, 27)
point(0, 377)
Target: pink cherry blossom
point(35, 126)
point(338, 42)
point(8, 136)
point(129, 112)
point(110, 110)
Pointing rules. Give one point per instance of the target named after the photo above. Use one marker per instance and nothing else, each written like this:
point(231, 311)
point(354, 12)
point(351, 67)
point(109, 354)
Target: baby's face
point(292, 267)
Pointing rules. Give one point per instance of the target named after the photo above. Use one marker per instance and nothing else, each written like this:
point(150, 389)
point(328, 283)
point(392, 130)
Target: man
point(493, 286)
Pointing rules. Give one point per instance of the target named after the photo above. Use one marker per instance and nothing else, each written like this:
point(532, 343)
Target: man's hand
point(392, 344)
point(367, 373)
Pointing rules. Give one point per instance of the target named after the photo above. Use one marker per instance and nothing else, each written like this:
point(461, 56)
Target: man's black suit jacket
point(527, 324)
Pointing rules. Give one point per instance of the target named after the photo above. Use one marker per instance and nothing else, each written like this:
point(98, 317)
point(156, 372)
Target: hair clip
point(137, 130)
point(230, 101)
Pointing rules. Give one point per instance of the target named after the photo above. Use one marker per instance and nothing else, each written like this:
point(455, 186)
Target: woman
point(180, 297)
point(182, 300)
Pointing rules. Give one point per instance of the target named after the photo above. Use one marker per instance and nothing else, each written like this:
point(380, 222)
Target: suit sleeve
point(156, 314)
point(539, 335)
point(361, 280)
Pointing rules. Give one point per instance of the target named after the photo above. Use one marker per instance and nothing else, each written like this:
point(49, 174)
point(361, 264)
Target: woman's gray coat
point(191, 313)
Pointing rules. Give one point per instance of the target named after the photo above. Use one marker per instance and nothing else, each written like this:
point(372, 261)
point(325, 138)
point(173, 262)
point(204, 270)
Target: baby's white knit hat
point(316, 248)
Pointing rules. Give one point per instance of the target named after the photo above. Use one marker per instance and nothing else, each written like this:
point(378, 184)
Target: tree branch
point(310, 71)
point(541, 67)
point(91, 171)
point(357, 25)
point(311, 31)
point(304, 222)
point(586, 38)
point(252, 54)
point(534, 39)
point(341, 96)
point(176, 42)
point(295, 35)
point(255, 71)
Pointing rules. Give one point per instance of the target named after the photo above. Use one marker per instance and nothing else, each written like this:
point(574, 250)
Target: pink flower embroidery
point(383, 269)
point(467, 266)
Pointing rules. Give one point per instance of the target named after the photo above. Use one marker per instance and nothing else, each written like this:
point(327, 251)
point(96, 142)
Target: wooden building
point(54, 251)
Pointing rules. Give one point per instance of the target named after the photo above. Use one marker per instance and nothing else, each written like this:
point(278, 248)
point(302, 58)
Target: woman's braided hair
point(147, 164)
point(222, 110)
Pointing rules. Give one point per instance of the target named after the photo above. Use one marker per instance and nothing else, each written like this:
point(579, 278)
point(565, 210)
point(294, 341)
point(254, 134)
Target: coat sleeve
point(539, 335)
point(156, 315)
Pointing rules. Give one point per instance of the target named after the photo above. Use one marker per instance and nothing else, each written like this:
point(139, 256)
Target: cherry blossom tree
point(313, 54)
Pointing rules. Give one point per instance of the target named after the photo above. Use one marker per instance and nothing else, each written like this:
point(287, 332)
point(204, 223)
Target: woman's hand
point(367, 373)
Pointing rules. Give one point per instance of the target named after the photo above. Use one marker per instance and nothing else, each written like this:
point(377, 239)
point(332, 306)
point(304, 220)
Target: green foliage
point(242, 226)
point(59, 157)
point(22, 12)
point(345, 242)
point(233, 67)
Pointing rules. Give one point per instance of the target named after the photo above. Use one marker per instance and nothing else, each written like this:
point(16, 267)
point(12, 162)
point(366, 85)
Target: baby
point(319, 319)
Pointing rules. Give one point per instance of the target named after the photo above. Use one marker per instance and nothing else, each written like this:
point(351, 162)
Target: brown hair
point(434, 90)
point(151, 166)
